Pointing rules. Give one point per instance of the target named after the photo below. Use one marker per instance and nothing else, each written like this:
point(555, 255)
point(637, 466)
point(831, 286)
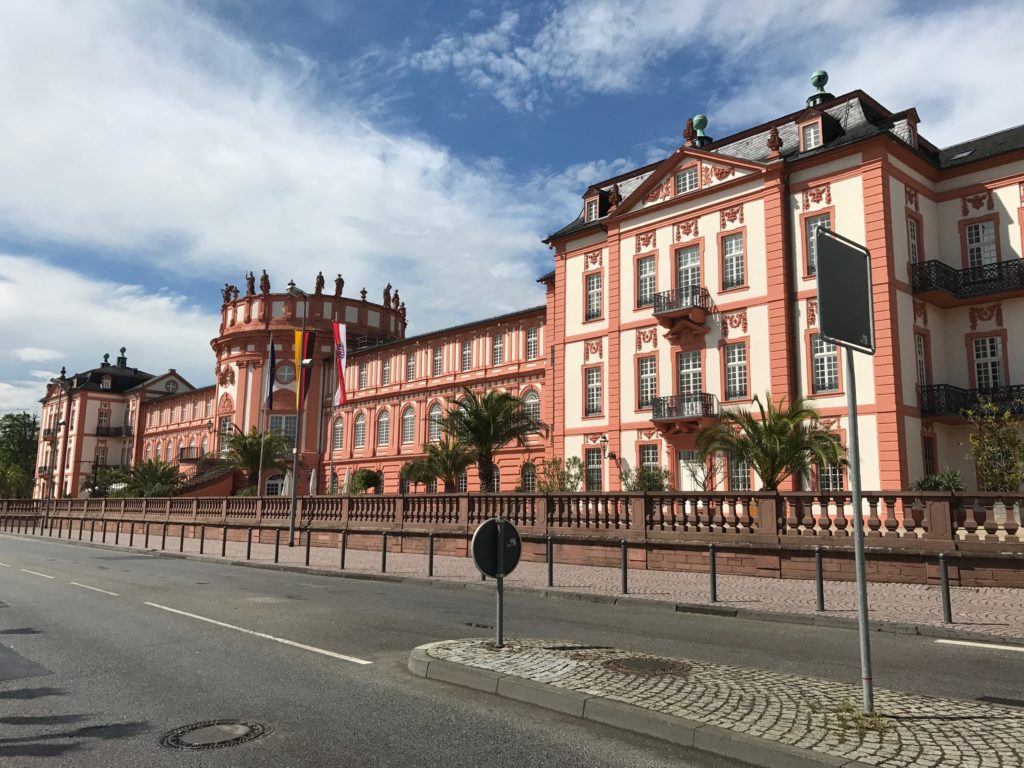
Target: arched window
point(171, 456)
point(408, 425)
point(434, 423)
point(206, 445)
point(181, 450)
point(531, 404)
point(338, 437)
point(159, 451)
point(274, 486)
point(149, 451)
point(529, 477)
point(383, 428)
point(360, 431)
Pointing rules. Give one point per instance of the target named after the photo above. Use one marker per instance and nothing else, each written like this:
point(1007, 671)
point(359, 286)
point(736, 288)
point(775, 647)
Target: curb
point(622, 601)
point(627, 717)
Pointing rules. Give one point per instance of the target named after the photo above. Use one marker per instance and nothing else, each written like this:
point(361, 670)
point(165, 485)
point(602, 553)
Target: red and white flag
point(340, 359)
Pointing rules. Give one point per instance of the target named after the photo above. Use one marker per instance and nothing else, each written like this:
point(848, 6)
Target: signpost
point(496, 548)
point(846, 318)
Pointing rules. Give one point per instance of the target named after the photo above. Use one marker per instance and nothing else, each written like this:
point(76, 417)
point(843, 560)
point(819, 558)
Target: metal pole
point(224, 542)
point(500, 578)
point(384, 553)
point(430, 554)
point(181, 538)
point(163, 536)
point(343, 543)
point(248, 545)
point(131, 535)
point(625, 569)
point(277, 543)
point(309, 538)
point(713, 573)
point(298, 426)
point(947, 607)
point(103, 539)
point(551, 562)
point(117, 533)
point(819, 579)
point(202, 538)
point(145, 543)
point(858, 538)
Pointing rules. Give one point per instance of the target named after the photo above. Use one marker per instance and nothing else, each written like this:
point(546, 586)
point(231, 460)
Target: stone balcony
point(683, 414)
point(683, 311)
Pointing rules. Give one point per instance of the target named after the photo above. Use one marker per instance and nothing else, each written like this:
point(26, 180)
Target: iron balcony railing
point(44, 470)
point(185, 454)
point(947, 400)
point(972, 281)
point(50, 432)
point(694, 405)
point(113, 431)
point(687, 297)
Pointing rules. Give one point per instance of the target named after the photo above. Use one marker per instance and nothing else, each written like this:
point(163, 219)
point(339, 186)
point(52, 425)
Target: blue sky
point(154, 150)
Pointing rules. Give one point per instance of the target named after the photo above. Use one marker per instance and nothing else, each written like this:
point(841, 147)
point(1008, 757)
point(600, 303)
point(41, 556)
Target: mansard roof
point(122, 379)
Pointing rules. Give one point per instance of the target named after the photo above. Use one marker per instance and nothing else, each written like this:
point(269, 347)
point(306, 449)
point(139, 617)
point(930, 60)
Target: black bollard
point(625, 568)
point(103, 539)
point(384, 553)
point(131, 535)
point(551, 562)
point(92, 529)
point(309, 539)
point(117, 533)
point(248, 545)
point(181, 541)
point(430, 554)
point(81, 528)
point(277, 543)
point(202, 538)
point(819, 578)
point(713, 573)
point(947, 607)
point(343, 543)
point(224, 542)
point(163, 536)
point(145, 541)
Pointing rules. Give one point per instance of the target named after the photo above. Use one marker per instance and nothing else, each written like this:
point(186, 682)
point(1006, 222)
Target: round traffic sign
point(496, 547)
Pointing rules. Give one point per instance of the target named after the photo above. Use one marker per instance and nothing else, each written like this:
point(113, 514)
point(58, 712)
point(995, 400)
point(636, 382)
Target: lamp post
point(303, 363)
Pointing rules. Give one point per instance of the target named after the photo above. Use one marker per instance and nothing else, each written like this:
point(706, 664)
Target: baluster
point(971, 521)
point(807, 522)
point(909, 517)
point(874, 521)
point(891, 523)
point(990, 524)
point(825, 515)
point(793, 513)
point(731, 520)
point(746, 523)
point(692, 512)
point(718, 518)
point(1012, 522)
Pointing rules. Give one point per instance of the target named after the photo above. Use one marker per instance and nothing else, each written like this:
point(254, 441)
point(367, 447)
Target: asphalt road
point(90, 678)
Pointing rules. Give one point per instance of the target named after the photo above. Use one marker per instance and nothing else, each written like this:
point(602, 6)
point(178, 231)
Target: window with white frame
point(739, 474)
point(338, 435)
point(432, 485)
point(691, 379)
point(528, 474)
point(385, 371)
point(532, 343)
point(686, 180)
point(408, 425)
point(531, 405)
point(594, 465)
point(811, 223)
point(497, 349)
point(434, 423)
point(495, 480)
point(274, 485)
point(410, 366)
point(735, 371)
point(649, 456)
point(988, 362)
point(687, 268)
point(830, 477)
point(825, 364)
point(593, 398)
point(282, 425)
point(467, 355)
point(921, 354)
point(461, 482)
point(205, 445)
point(811, 136)
point(383, 428)
point(981, 243)
point(359, 431)
point(645, 281)
point(913, 240)
point(362, 375)
point(159, 451)
point(438, 361)
point(733, 267)
point(592, 210)
point(594, 299)
point(647, 381)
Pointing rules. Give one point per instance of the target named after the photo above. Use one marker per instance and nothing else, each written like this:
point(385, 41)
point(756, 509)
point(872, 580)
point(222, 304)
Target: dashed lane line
point(95, 589)
point(989, 646)
point(5, 565)
point(265, 636)
point(37, 573)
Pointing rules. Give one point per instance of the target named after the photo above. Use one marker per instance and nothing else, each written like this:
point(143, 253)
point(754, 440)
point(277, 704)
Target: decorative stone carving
point(986, 314)
point(730, 215)
point(707, 172)
point(226, 404)
point(318, 286)
point(976, 202)
point(660, 192)
point(593, 437)
point(592, 259)
point(812, 313)
point(646, 336)
point(685, 230)
point(339, 285)
point(225, 375)
point(264, 283)
point(734, 320)
point(646, 434)
point(830, 424)
point(689, 132)
point(921, 311)
point(614, 197)
point(647, 240)
point(911, 195)
point(816, 195)
point(593, 348)
point(774, 142)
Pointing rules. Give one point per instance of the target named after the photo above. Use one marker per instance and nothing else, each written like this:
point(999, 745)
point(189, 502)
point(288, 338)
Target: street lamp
point(304, 363)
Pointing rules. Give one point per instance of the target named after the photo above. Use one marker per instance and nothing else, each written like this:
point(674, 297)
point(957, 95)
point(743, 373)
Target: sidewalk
point(765, 718)
point(990, 611)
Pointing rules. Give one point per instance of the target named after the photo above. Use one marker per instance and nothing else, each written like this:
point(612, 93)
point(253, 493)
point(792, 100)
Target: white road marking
point(990, 646)
point(95, 589)
point(292, 643)
point(5, 565)
point(36, 573)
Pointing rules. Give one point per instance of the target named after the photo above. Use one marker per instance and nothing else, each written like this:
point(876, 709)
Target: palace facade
point(681, 288)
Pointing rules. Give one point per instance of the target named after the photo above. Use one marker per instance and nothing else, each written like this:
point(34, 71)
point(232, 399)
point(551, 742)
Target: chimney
point(700, 122)
point(122, 361)
point(819, 79)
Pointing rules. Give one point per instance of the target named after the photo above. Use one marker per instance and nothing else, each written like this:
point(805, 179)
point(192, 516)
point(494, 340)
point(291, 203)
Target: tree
point(486, 423)
point(152, 478)
point(105, 481)
point(554, 476)
point(997, 446)
point(417, 472)
point(447, 459)
point(949, 480)
point(19, 436)
point(364, 479)
point(244, 449)
point(777, 441)
point(646, 479)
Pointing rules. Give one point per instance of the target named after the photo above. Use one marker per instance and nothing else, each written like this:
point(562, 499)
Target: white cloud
point(34, 354)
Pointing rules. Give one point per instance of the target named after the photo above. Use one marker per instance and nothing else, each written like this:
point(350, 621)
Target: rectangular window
point(690, 374)
point(735, 371)
point(733, 272)
point(408, 426)
point(830, 477)
point(532, 343)
point(497, 350)
point(438, 361)
point(649, 456)
point(359, 438)
point(913, 240)
point(103, 419)
point(810, 224)
point(385, 371)
point(410, 366)
point(981, 243)
point(461, 482)
point(811, 136)
point(362, 376)
point(283, 425)
point(594, 300)
point(467, 355)
point(594, 467)
point(686, 180)
point(647, 381)
point(921, 352)
point(931, 465)
point(645, 284)
point(593, 394)
point(988, 363)
point(825, 364)
point(592, 210)
point(739, 474)
point(688, 267)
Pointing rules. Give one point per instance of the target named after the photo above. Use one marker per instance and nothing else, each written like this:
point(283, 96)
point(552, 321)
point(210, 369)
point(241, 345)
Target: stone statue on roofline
point(250, 284)
point(225, 293)
point(395, 301)
point(362, 294)
point(387, 295)
point(234, 292)
point(264, 283)
point(339, 285)
point(319, 286)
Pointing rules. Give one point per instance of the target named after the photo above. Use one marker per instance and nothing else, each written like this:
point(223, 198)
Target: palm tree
point(245, 451)
point(778, 441)
point(448, 459)
point(152, 478)
point(486, 423)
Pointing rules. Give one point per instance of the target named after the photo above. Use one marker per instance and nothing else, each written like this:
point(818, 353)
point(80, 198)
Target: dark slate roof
point(121, 379)
point(545, 277)
point(983, 147)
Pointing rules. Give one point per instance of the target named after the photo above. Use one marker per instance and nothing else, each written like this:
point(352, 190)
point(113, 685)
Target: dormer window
point(686, 180)
point(105, 382)
point(592, 210)
point(810, 136)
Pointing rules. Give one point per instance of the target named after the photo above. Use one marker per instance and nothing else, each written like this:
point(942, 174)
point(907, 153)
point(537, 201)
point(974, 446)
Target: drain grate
point(213, 734)
point(474, 625)
point(648, 666)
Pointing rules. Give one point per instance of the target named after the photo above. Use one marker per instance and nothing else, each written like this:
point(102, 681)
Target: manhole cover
point(648, 666)
point(213, 734)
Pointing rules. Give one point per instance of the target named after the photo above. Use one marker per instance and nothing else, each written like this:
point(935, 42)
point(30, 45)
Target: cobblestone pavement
point(988, 610)
point(800, 712)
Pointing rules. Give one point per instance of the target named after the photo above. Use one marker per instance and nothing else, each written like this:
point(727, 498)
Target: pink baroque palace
point(682, 287)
